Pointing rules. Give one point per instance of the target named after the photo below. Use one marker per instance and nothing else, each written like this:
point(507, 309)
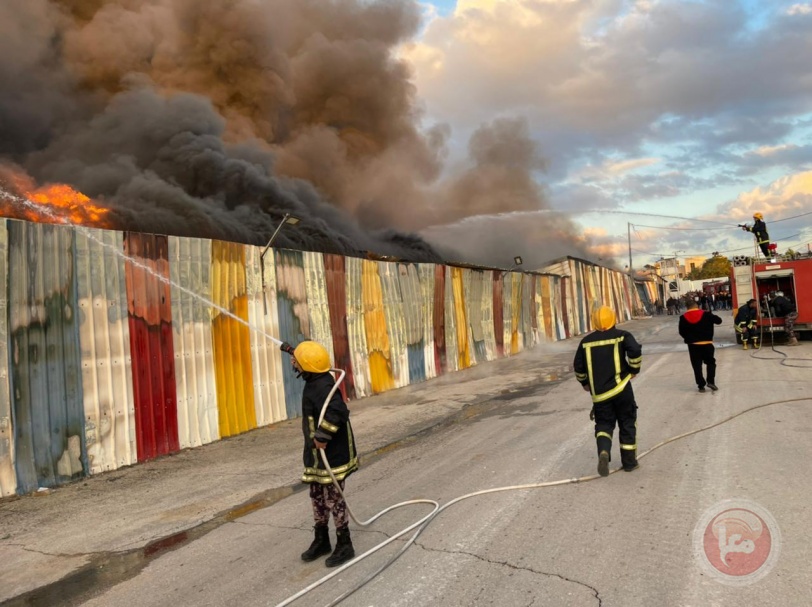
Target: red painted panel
point(439, 319)
point(151, 347)
point(337, 299)
point(499, 312)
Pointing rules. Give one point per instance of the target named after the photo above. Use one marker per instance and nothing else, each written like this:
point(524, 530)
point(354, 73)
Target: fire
point(55, 203)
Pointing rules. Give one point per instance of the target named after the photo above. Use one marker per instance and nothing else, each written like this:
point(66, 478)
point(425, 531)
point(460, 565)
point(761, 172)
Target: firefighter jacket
point(696, 326)
point(335, 430)
point(783, 306)
point(745, 316)
point(606, 361)
point(759, 230)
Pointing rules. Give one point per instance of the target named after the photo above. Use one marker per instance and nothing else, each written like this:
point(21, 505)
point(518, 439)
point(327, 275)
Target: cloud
point(613, 76)
point(800, 9)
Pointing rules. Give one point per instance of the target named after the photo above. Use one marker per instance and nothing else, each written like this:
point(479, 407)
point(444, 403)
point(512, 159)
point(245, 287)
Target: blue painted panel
point(291, 300)
point(46, 380)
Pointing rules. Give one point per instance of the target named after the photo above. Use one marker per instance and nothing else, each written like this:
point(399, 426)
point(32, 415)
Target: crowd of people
point(710, 302)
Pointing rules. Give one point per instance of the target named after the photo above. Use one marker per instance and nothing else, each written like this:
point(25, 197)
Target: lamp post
point(676, 272)
point(289, 219)
point(517, 261)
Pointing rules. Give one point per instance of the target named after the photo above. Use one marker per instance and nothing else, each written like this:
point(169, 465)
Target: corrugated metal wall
point(190, 271)
point(8, 478)
point(266, 357)
point(104, 335)
point(151, 345)
point(232, 340)
point(120, 360)
point(45, 365)
point(337, 299)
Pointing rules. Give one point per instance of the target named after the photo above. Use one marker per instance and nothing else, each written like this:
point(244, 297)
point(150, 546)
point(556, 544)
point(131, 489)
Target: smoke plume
point(214, 118)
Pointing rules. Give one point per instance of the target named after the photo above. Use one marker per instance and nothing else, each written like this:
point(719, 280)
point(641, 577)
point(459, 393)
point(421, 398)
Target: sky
point(644, 112)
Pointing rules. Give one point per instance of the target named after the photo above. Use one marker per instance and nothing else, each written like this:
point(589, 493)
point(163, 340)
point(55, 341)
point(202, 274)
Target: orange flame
point(60, 204)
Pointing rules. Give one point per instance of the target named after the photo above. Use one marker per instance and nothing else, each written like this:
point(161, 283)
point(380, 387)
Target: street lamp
point(287, 219)
point(517, 261)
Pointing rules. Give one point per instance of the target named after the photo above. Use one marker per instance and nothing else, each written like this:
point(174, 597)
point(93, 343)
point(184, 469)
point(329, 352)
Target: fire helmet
point(603, 318)
point(312, 357)
point(758, 216)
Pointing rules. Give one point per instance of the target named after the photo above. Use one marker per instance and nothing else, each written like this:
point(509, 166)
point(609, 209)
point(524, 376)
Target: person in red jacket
point(696, 328)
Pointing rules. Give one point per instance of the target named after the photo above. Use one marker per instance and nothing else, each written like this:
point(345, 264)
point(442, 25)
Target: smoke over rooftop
point(213, 118)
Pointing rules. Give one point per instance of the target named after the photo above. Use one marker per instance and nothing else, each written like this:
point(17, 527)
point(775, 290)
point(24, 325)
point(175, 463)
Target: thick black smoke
point(212, 119)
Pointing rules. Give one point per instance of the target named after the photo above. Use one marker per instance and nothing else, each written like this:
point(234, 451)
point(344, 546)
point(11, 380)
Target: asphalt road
point(623, 540)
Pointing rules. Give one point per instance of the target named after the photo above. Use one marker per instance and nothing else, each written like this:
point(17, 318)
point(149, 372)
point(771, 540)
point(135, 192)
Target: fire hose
point(424, 522)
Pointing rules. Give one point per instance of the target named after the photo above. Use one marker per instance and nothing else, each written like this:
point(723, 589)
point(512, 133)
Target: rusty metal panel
point(190, 271)
point(413, 303)
point(395, 322)
point(440, 354)
point(378, 347)
point(516, 335)
point(232, 340)
point(104, 337)
point(547, 307)
point(151, 344)
point(425, 273)
point(497, 285)
point(8, 478)
point(337, 299)
point(538, 303)
point(318, 307)
point(266, 358)
point(45, 366)
point(527, 311)
point(294, 321)
point(356, 327)
point(452, 355)
point(479, 298)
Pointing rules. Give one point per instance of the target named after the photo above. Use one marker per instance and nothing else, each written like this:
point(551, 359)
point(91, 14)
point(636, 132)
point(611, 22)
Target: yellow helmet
point(603, 318)
point(758, 216)
point(312, 357)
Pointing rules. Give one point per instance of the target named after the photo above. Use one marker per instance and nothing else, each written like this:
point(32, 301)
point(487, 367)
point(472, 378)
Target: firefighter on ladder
point(759, 230)
point(605, 362)
point(745, 322)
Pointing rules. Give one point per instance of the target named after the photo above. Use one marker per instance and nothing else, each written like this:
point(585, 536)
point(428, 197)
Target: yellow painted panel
point(463, 346)
point(515, 310)
point(380, 364)
point(232, 341)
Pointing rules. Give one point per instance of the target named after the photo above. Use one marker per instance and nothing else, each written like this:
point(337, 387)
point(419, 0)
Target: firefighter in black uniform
point(745, 322)
point(785, 309)
point(605, 362)
point(312, 362)
point(759, 230)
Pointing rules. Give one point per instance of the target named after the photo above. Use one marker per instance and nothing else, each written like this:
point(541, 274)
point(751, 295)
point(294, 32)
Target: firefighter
point(759, 230)
point(696, 329)
point(745, 322)
point(605, 362)
point(785, 309)
point(312, 363)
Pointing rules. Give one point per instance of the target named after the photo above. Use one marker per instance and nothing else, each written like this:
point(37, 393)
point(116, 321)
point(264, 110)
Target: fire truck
point(758, 278)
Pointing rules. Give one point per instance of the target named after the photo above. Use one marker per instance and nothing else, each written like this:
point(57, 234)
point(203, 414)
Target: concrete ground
point(225, 523)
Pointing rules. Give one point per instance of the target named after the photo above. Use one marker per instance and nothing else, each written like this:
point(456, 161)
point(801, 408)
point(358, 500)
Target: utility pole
point(629, 230)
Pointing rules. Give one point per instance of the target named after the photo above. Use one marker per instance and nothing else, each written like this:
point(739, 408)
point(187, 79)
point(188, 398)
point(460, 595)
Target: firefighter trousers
point(620, 410)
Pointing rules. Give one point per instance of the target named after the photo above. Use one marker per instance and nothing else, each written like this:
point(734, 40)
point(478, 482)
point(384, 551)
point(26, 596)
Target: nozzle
point(286, 347)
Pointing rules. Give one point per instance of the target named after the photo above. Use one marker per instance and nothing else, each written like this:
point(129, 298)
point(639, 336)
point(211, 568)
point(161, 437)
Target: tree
point(716, 267)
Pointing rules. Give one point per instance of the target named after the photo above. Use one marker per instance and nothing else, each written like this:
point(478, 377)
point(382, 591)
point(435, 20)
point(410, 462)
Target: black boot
point(628, 457)
point(344, 551)
point(320, 545)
